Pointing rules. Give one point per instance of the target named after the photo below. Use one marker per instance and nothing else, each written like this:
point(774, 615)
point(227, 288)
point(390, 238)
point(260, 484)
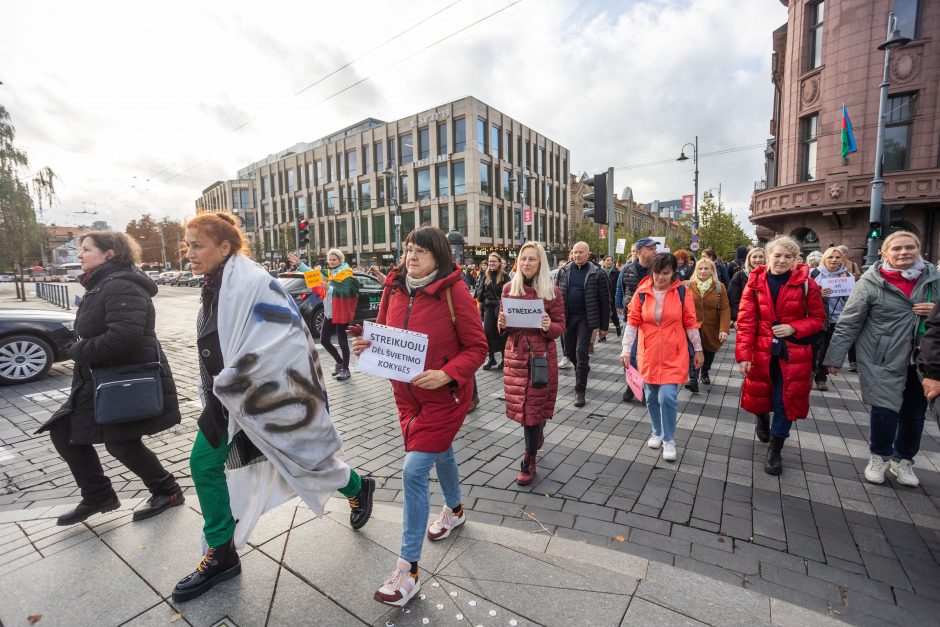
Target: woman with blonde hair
point(780, 314)
point(755, 257)
point(489, 292)
point(832, 266)
point(713, 315)
point(885, 317)
point(530, 401)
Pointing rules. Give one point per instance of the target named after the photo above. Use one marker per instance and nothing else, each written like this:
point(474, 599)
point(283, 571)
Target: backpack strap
point(450, 305)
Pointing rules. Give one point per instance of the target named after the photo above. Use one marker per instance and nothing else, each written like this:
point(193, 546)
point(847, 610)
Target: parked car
point(153, 274)
point(196, 280)
point(166, 277)
point(311, 306)
point(6, 278)
point(181, 278)
point(31, 340)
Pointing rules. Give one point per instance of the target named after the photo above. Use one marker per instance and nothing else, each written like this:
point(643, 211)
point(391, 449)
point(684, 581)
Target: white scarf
point(911, 274)
point(416, 284)
point(824, 273)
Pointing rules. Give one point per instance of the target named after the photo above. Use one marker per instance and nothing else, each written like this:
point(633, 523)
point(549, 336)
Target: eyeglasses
point(416, 250)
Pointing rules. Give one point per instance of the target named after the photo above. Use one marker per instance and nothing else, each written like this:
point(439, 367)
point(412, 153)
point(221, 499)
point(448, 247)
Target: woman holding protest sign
point(530, 377)
point(662, 314)
point(424, 295)
point(830, 267)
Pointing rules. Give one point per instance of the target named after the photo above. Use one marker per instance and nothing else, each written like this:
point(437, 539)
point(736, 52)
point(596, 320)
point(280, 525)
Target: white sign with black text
point(523, 313)
point(840, 286)
point(393, 353)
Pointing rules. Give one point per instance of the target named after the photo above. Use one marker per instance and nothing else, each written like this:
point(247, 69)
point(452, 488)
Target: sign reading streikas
point(394, 353)
point(523, 313)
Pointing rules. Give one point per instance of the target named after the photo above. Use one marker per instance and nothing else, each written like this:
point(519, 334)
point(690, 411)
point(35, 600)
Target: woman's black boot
point(762, 427)
point(489, 362)
point(774, 465)
point(218, 564)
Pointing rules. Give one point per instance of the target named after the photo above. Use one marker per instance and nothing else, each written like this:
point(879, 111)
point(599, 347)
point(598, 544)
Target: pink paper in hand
point(635, 381)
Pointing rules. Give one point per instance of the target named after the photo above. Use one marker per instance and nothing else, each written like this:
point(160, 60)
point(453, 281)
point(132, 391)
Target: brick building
point(826, 54)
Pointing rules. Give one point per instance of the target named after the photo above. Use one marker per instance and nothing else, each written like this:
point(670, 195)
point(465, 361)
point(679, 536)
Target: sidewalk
point(302, 571)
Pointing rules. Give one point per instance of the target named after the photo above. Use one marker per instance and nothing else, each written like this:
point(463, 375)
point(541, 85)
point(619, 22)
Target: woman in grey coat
point(885, 317)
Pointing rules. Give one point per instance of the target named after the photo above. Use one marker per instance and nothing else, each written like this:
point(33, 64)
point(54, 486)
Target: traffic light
point(874, 230)
point(598, 183)
point(303, 233)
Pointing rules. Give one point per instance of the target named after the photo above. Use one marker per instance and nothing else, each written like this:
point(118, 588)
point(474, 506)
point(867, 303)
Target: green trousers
point(207, 465)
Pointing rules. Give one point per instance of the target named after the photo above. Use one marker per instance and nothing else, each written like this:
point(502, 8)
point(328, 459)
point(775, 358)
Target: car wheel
point(318, 318)
point(23, 358)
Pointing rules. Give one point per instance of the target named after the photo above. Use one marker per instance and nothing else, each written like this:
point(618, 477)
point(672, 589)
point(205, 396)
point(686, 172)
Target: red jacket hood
point(440, 284)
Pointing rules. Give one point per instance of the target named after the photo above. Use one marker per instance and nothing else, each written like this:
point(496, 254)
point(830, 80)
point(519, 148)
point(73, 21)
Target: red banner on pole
point(688, 203)
point(603, 232)
point(527, 216)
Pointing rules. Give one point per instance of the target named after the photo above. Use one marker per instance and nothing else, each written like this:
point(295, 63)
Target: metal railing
point(54, 293)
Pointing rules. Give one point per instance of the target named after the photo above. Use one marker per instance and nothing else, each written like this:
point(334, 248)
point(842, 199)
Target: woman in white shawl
point(832, 266)
point(264, 406)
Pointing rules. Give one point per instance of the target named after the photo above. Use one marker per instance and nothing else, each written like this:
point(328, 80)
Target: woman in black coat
point(489, 294)
point(115, 324)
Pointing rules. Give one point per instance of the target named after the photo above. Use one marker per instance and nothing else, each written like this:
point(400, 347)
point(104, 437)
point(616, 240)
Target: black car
point(311, 306)
point(31, 340)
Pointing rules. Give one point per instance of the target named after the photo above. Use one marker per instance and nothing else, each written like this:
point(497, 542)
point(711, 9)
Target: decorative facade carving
point(835, 191)
point(809, 91)
point(905, 66)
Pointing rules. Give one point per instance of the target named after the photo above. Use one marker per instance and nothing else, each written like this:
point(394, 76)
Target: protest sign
point(840, 286)
point(635, 381)
point(660, 244)
point(523, 313)
point(621, 246)
point(313, 278)
point(394, 353)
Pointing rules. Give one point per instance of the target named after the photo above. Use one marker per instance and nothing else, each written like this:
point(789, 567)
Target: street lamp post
point(393, 199)
point(682, 157)
point(522, 192)
point(877, 214)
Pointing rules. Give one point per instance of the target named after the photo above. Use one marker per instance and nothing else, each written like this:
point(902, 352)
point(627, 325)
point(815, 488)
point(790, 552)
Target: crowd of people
point(266, 416)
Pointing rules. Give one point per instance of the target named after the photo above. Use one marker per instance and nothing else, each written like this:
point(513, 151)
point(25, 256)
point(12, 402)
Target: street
point(818, 536)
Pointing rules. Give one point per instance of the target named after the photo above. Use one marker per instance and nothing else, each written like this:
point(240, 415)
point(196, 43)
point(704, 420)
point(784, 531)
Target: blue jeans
point(417, 499)
point(779, 425)
point(897, 434)
point(662, 401)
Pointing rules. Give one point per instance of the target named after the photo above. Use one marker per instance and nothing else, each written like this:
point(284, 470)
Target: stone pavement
point(819, 536)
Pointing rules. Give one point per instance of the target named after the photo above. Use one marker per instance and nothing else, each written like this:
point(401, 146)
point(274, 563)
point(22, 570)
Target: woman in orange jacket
point(663, 315)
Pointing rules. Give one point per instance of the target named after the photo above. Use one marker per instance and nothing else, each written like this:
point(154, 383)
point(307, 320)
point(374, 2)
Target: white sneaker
point(904, 472)
point(445, 523)
point(655, 441)
point(669, 451)
point(563, 363)
point(399, 587)
point(875, 470)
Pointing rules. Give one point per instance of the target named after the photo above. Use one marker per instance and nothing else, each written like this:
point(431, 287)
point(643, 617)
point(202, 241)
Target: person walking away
point(527, 404)
point(424, 295)
point(662, 323)
point(264, 415)
point(585, 292)
point(831, 266)
point(928, 360)
point(713, 316)
point(115, 322)
point(740, 256)
point(781, 311)
point(630, 276)
point(720, 267)
point(885, 317)
point(612, 275)
point(490, 292)
point(755, 257)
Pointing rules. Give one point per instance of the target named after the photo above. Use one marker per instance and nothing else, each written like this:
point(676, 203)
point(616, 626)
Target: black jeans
point(897, 433)
point(326, 336)
point(705, 369)
point(495, 341)
point(819, 353)
point(86, 467)
point(577, 336)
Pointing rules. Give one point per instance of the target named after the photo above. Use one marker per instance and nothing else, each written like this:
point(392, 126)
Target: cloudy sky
point(139, 107)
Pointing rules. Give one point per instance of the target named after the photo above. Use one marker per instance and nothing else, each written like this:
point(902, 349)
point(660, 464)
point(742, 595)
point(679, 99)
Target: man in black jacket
point(585, 290)
point(610, 269)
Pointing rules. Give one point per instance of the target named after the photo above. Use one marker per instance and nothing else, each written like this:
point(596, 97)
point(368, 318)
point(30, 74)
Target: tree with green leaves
point(158, 241)
point(21, 193)
point(719, 229)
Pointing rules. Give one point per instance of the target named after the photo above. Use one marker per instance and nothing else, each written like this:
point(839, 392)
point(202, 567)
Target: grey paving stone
point(643, 522)
point(589, 510)
point(763, 554)
point(677, 546)
point(642, 612)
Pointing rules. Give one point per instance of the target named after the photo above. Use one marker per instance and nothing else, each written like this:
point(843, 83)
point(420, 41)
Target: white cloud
point(117, 91)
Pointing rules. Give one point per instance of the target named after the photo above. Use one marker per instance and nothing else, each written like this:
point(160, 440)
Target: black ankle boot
point(762, 427)
point(86, 508)
point(158, 503)
point(360, 506)
point(489, 363)
point(774, 465)
point(219, 564)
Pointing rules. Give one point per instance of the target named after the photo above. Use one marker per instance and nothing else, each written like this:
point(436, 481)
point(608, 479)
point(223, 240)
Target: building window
point(486, 220)
point(809, 131)
point(403, 189)
point(322, 229)
point(508, 145)
point(391, 153)
point(541, 234)
point(528, 154)
point(443, 188)
point(442, 138)
point(380, 191)
point(340, 159)
point(342, 235)
point(898, 123)
point(424, 183)
point(424, 143)
point(352, 167)
point(907, 13)
point(516, 224)
point(541, 163)
point(443, 217)
point(481, 135)
point(379, 149)
point(460, 134)
point(496, 136)
point(365, 159)
point(265, 188)
point(460, 183)
point(815, 35)
point(500, 218)
point(329, 169)
point(244, 195)
point(331, 200)
point(378, 229)
point(364, 229)
point(407, 223)
point(365, 195)
point(519, 151)
point(461, 212)
point(485, 179)
point(301, 211)
point(425, 217)
point(507, 188)
point(309, 181)
point(407, 155)
point(319, 179)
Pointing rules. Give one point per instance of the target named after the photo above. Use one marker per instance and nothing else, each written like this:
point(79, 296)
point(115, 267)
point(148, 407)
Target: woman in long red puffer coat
point(780, 312)
point(527, 405)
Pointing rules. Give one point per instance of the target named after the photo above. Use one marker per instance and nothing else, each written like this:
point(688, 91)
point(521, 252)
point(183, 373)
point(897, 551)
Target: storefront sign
point(395, 354)
point(522, 313)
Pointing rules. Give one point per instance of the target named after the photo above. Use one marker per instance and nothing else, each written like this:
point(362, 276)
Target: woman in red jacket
point(781, 311)
point(425, 294)
point(527, 405)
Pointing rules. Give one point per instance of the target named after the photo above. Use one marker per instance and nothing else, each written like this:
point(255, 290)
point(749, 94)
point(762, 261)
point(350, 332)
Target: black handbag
point(128, 393)
point(538, 368)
